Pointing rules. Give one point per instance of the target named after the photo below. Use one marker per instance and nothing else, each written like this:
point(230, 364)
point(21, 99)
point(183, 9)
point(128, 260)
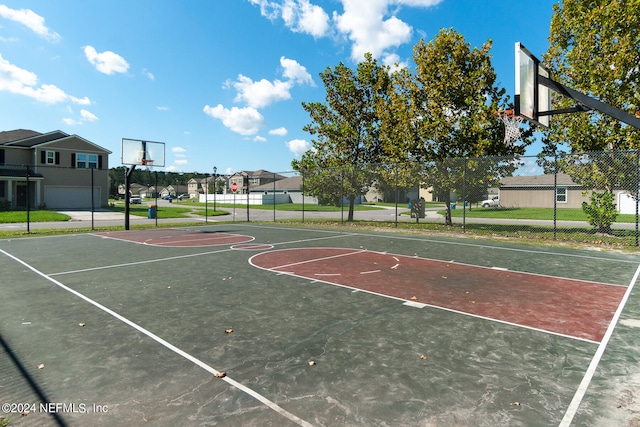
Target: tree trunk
point(351, 207)
point(447, 200)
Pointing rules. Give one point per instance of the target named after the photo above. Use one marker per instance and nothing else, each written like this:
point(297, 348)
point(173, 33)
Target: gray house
point(53, 170)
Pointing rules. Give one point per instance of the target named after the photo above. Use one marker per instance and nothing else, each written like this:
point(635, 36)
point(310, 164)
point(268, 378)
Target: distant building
point(53, 170)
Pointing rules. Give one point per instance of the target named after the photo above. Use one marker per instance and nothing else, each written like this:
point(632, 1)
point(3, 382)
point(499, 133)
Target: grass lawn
point(163, 212)
point(34, 216)
point(530, 213)
point(280, 207)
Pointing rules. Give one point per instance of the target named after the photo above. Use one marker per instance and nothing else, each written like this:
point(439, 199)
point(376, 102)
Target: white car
point(494, 201)
point(135, 200)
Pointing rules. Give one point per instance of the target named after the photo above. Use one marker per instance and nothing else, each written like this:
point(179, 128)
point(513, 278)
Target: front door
point(21, 196)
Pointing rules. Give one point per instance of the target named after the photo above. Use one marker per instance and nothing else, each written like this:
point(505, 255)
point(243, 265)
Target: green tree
point(595, 49)
point(445, 110)
point(346, 132)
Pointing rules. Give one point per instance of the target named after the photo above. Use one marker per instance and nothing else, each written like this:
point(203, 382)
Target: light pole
point(215, 178)
point(206, 200)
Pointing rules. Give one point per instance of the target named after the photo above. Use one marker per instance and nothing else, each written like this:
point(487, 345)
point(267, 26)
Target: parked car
point(183, 196)
point(135, 200)
point(494, 201)
point(168, 197)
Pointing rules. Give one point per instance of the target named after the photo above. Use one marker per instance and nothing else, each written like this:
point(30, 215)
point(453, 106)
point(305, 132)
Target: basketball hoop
point(512, 125)
point(147, 163)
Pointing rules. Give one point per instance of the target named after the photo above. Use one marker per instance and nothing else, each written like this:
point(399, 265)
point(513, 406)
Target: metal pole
point(215, 189)
point(248, 198)
point(637, 190)
point(396, 194)
point(555, 194)
point(206, 199)
point(274, 197)
point(28, 201)
point(304, 196)
point(464, 195)
point(92, 205)
point(155, 190)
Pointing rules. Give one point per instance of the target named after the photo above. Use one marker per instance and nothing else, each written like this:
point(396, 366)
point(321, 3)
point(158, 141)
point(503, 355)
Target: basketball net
point(512, 124)
point(147, 163)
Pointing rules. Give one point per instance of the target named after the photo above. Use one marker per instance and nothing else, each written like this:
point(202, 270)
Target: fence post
point(555, 193)
point(397, 193)
point(92, 204)
point(28, 200)
point(303, 194)
point(464, 195)
point(274, 197)
point(637, 190)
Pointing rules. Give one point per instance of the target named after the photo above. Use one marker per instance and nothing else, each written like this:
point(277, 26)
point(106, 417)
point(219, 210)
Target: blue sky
point(221, 82)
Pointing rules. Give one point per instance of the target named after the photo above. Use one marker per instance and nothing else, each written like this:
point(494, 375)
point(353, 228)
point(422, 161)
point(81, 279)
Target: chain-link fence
point(588, 198)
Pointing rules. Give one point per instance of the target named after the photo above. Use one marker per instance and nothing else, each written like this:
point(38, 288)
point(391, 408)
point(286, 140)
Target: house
point(538, 191)
point(53, 170)
point(286, 190)
point(198, 186)
point(245, 180)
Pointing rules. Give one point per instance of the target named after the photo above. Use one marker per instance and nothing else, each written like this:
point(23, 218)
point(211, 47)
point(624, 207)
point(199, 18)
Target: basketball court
point(241, 324)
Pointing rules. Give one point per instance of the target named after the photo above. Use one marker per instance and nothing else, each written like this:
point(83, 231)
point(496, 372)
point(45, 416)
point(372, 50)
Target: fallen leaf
point(220, 375)
point(168, 287)
point(41, 366)
point(311, 363)
point(228, 331)
point(472, 302)
point(467, 292)
point(24, 413)
point(414, 298)
point(516, 403)
point(81, 324)
point(444, 277)
point(423, 357)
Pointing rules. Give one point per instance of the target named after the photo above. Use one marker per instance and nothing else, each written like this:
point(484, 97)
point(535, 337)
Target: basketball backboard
point(531, 98)
point(136, 152)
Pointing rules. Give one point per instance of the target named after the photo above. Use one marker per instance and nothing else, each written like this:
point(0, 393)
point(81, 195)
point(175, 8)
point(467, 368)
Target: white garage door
point(71, 197)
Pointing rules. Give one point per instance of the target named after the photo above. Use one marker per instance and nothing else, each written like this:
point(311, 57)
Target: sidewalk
point(99, 218)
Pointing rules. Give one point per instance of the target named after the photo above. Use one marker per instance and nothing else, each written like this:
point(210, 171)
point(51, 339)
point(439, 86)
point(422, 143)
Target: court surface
point(243, 324)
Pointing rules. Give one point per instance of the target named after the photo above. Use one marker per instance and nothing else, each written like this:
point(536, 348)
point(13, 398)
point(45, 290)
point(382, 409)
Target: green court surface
point(249, 325)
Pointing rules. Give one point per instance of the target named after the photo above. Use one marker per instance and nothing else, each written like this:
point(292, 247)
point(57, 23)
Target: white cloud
point(295, 72)
point(303, 17)
point(162, 108)
point(367, 24)
point(88, 116)
point(31, 20)
point(149, 75)
point(298, 146)
point(245, 121)
point(181, 162)
point(298, 15)
point(259, 138)
point(279, 132)
point(20, 81)
point(85, 116)
point(179, 151)
point(71, 122)
point(261, 93)
point(106, 62)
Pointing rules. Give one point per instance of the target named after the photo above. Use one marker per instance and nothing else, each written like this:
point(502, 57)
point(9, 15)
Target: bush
point(601, 211)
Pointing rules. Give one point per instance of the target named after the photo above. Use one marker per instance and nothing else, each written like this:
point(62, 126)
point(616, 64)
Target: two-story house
point(53, 170)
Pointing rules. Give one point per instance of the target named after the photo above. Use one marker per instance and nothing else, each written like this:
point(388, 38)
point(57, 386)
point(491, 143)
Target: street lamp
point(206, 200)
point(215, 178)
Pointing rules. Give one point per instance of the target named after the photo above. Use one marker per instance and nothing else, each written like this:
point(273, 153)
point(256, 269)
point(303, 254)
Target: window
point(561, 195)
point(86, 161)
point(2, 156)
point(51, 157)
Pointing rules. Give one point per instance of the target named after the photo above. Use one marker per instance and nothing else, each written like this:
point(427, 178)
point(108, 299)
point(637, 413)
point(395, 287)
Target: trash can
point(152, 211)
point(452, 205)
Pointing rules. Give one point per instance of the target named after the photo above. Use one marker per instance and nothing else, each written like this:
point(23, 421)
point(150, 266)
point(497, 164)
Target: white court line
point(168, 345)
point(586, 380)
